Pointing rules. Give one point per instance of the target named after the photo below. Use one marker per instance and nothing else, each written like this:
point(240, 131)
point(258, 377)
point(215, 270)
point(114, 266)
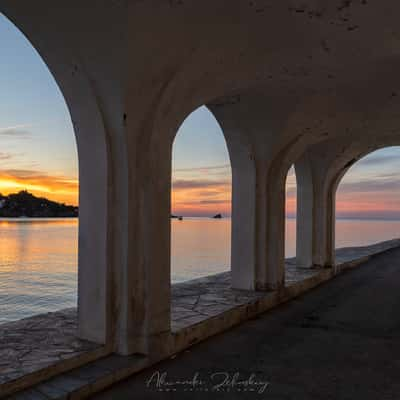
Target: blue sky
point(38, 150)
point(32, 103)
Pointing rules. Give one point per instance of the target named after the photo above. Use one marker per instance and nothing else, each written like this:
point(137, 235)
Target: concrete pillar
point(145, 298)
point(244, 197)
point(274, 268)
point(258, 220)
point(258, 192)
point(243, 244)
point(270, 240)
point(93, 267)
point(305, 213)
point(315, 214)
point(91, 127)
point(324, 228)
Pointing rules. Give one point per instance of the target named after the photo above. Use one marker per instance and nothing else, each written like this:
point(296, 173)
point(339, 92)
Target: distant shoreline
point(25, 205)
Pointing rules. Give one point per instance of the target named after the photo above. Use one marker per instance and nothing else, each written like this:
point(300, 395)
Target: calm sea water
point(38, 258)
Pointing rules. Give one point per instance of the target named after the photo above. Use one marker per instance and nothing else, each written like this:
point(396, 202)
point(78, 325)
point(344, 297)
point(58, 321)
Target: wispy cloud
point(214, 202)
point(6, 156)
point(212, 192)
point(379, 159)
point(366, 186)
point(202, 169)
point(186, 184)
point(17, 131)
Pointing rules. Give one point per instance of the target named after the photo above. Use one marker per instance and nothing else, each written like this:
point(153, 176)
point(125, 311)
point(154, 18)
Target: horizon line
point(292, 217)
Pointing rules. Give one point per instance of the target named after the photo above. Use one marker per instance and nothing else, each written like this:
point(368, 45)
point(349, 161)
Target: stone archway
point(90, 133)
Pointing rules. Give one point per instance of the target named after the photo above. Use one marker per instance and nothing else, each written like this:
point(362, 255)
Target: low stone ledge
point(37, 348)
point(346, 255)
point(198, 300)
point(85, 380)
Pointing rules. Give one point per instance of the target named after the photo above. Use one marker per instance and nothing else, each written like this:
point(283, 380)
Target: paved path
point(339, 341)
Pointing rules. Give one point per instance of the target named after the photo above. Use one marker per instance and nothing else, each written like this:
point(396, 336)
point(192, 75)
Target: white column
point(94, 268)
point(244, 198)
point(270, 273)
point(275, 238)
point(324, 227)
point(243, 227)
point(315, 214)
point(144, 290)
point(305, 213)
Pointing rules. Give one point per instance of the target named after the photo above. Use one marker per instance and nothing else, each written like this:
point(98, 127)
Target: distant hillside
point(25, 204)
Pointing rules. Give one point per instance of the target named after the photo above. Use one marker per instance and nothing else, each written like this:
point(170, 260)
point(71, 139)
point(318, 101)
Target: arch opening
point(200, 199)
point(367, 200)
point(290, 214)
point(38, 178)
point(52, 98)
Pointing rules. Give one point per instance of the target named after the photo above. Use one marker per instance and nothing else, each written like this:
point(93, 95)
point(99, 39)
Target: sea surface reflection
point(38, 258)
point(38, 266)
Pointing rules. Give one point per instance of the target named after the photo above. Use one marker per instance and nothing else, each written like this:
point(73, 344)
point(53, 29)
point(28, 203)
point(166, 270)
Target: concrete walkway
point(339, 341)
